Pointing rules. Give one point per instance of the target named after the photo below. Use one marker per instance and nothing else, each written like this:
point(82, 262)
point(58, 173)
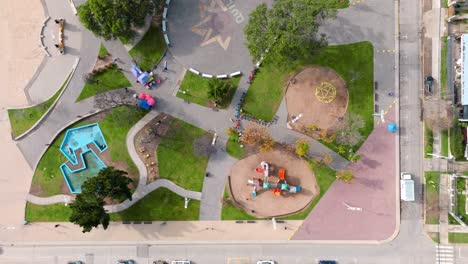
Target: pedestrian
point(159, 122)
point(56, 21)
point(116, 60)
point(57, 225)
point(285, 228)
point(120, 69)
point(207, 174)
point(165, 65)
point(126, 89)
point(56, 45)
point(253, 211)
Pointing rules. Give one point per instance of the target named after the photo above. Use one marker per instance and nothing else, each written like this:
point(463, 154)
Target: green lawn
point(176, 157)
point(23, 119)
point(47, 213)
point(435, 237)
point(231, 212)
point(458, 237)
point(107, 80)
point(115, 127)
point(196, 89)
point(353, 62)
point(428, 141)
point(444, 3)
point(102, 51)
point(340, 3)
point(432, 197)
point(461, 200)
point(443, 67)
point(444, 143)
point(160, 205)
point(150, 49)
point(234, 150)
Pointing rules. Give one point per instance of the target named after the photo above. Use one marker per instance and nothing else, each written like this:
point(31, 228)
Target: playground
point(316, 96)
point(289, 187)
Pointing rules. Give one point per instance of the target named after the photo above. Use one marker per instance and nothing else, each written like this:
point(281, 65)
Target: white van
point(181, 262)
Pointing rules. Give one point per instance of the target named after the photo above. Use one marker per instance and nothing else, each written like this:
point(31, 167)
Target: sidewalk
point(156, 232)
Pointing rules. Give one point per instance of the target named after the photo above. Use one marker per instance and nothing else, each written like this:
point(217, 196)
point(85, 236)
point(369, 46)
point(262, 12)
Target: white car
point(266, 262)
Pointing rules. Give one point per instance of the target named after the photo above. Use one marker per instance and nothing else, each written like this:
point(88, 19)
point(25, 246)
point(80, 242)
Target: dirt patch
point(266, 204)
point(301, 99)
point(103, 63)
point(147, 140)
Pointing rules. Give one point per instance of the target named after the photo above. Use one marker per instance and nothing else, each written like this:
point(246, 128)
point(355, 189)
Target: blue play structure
point(392, 127)
point(81, 147)
point(145, 78)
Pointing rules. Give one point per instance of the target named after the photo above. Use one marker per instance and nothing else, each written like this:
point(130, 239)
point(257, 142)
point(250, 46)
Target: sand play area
point(20, 51)
point(266, 204)
point(303, 98)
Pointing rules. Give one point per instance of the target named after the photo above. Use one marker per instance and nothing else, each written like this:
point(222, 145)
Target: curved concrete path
point(61, 198)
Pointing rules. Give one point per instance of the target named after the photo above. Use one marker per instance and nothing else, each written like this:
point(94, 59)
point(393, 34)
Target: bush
point(456, 141)
point(428, 140)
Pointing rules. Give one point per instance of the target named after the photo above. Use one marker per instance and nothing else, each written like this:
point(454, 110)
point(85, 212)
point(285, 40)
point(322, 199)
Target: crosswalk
point(444, 254)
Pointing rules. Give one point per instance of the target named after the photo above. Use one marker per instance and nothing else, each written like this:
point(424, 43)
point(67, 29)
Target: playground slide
point(282, 173)
point(265, 169)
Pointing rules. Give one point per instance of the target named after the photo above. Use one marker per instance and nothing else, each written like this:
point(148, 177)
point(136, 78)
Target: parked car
point(129, 261)
point(266, 262)
point(181, 262)
point(428, 81)
point(75, 262)
point(328, 262)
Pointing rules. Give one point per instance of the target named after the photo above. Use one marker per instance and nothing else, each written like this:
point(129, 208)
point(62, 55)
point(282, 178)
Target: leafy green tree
point(116, 18)
point(88, 212)
point(217, 89)
point(345, 175)
point(302, 147)
point(288, 30)
point(110, 183)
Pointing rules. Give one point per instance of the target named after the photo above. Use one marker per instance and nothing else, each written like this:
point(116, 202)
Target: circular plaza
point(207, 35)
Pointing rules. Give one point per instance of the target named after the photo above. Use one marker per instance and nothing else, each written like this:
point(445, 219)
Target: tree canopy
point(349, 130)
point(288, 30)
point(88, 212)
point(88, 207)
point(116, 18)
point(217, 89)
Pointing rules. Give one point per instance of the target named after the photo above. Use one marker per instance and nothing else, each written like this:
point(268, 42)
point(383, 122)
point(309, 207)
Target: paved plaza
point(207, 35)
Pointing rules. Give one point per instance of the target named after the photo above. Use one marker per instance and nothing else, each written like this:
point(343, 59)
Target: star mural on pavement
point(203, 27)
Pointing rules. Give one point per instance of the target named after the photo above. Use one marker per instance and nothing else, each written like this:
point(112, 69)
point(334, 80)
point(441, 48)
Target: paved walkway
point(219, 166)
point(61, 198)
point(444, 205)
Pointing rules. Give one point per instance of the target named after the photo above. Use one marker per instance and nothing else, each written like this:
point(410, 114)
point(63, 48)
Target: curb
point(73, 7)
point(221, 76)
point(69, 77)
point(164, 23)
point(42, 36)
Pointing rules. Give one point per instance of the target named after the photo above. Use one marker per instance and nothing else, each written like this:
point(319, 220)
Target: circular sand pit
point(320, 95)
point(267, 204)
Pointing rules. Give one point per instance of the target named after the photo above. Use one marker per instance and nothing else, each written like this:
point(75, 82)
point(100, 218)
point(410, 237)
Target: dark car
point(327, 262)
point(428, 81)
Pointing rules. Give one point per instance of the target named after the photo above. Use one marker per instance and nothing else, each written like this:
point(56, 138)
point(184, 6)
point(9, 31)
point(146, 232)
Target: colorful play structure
point(146, 101)
point(278, 187)
point(147, 79)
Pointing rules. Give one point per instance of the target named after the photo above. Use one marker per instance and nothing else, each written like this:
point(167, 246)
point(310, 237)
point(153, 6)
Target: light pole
point(352, 208)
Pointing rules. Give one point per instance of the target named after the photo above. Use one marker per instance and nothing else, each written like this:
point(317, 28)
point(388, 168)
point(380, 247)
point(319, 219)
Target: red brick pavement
point(373, 190)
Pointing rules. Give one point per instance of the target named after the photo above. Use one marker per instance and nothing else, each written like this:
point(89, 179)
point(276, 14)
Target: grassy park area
point(432, 197)
point(107, 80)
point(234, 149)
point(461, 200)
point(458, 237)
point(353, 62)
point(23, 119)
point(178, 160)
point(47, 213)
point(48, 179)
point(444, 143)
point(160, 205)
point(194, 88)
point(150, 49)
point(428, 141)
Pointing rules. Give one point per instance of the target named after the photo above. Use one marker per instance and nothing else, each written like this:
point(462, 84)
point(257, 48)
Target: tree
point(345, 175)
point(437, 114)
point(348, 130)
point(88, 212)
point(217, 89)
point(232, 134)
point(254, 134)
point(302, 147)
point(115, 19)
point(288, 30)
point(109, 183)
point(326, 158)
point(267, 145)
